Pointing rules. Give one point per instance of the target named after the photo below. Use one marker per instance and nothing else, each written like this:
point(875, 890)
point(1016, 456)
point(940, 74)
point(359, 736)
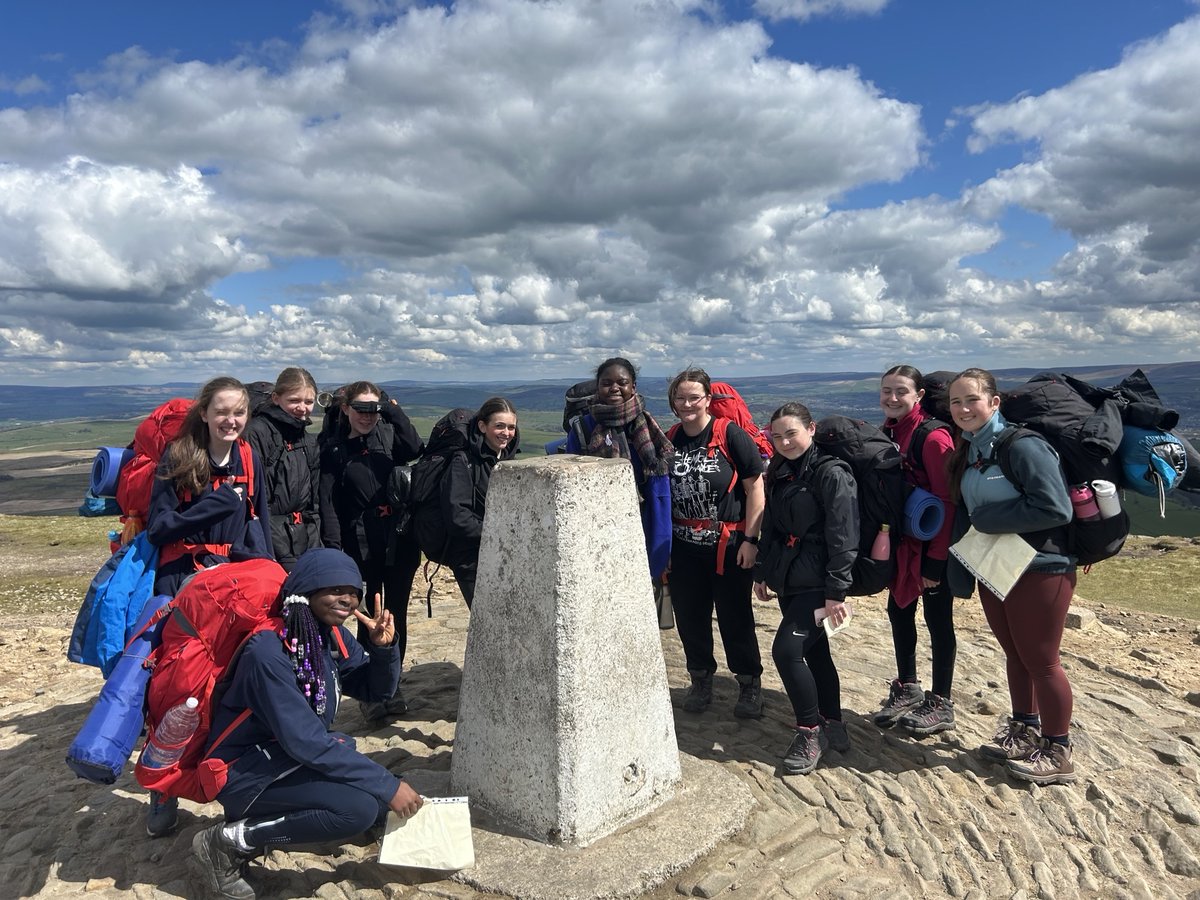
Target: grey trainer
point(901, 699)
point(934, 715)
point(805, 751)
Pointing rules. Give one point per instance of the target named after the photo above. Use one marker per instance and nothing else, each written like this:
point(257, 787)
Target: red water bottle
point(881, 547)
point(1083, 500)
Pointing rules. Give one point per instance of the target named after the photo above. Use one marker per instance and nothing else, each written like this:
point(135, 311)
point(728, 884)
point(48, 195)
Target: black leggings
point(306, 807)
point(801, 654)
point(939, 619)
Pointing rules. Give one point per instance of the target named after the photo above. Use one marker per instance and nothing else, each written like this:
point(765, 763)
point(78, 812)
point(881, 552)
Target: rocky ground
point(894, 817)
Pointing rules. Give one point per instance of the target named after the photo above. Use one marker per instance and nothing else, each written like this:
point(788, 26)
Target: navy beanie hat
point(322, 567)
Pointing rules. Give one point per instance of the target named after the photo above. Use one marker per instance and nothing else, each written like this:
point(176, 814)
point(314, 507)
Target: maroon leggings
point(1028, 623)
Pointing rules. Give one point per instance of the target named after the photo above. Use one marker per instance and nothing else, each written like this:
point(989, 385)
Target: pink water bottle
point(1083, 499)
point(881, 548)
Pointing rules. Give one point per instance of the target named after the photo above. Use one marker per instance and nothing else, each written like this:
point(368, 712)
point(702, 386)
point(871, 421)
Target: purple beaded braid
point(305, 648)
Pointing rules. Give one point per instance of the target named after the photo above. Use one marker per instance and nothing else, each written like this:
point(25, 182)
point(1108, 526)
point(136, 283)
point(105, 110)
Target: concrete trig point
point(565, 729)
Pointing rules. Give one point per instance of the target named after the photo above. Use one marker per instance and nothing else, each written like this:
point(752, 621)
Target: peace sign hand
point(381, 626)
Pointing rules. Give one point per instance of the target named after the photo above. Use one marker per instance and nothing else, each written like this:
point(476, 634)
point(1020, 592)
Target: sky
point(514, 190)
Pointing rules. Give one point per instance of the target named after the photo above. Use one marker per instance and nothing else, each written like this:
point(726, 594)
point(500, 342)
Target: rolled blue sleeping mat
point(105, 469)
point(104, 743)
point(923, 514)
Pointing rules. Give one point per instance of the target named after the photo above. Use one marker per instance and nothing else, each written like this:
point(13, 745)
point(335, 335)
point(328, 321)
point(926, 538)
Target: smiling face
point(297, 402)
point(334, 605)
point(226, 416)
point(971, 405)
point(791, 436)
point(498, 430)
point(691, 402)
point(898, 395)
point(361, 423)
point(615, 385)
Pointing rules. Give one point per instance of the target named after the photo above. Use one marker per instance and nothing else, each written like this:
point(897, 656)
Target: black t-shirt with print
point(699, 485)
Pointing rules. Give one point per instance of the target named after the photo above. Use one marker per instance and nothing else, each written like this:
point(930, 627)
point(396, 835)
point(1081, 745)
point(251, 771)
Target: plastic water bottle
point(1107, 499)
point(166, 743)
point(881, 547)
point(1083, 499)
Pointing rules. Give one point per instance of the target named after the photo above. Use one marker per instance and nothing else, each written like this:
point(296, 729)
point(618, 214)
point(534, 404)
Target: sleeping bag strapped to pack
point(104, 743)
point(1080, 421)
point(1152, 462)
point(209, 620)
point(879, 474)
point(449, 435)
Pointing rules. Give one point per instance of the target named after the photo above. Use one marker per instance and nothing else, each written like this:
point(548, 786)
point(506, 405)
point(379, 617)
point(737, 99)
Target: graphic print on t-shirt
point(694, 495)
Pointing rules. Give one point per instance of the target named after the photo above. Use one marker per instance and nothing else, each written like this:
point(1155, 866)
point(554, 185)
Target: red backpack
point(727, 403)
point(206, 625)
point(136, 481)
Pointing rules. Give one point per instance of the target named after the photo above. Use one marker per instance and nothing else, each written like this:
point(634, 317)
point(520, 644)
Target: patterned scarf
point(618, 427)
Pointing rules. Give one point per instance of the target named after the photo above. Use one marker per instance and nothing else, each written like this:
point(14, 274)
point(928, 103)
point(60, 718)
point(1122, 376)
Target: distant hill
point(850, 393)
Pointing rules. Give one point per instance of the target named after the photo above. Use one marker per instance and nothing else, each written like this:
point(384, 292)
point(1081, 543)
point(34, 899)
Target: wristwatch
point(752, 540)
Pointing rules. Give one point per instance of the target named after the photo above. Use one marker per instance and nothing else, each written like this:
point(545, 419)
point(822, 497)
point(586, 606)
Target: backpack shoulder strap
point(916, 446)
point(579, 429)
point(1001, 449)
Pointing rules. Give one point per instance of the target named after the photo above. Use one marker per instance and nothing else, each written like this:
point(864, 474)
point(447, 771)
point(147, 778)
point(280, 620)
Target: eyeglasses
point(692, 400)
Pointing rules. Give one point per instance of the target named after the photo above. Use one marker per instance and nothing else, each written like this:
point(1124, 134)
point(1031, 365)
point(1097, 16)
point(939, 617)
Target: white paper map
point(997, 560)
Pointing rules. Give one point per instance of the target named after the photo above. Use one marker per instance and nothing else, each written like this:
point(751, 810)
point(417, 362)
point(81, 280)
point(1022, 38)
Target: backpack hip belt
point(727, 528)
point(173, 551)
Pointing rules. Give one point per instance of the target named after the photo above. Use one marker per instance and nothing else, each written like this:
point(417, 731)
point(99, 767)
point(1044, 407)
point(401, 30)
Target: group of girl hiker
point(233, 487)
point(790, 529)
point(719, 522)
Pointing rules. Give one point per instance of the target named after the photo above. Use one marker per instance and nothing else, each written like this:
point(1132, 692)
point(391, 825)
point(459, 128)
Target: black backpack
point(260, 395)
point(879, 474)
point(450, 434)
point(936, 404)
point(1088, 541)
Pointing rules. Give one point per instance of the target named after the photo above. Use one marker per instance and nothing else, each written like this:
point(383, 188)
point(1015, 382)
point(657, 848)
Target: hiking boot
point(217, 863)
point(1014, 740)
point(805, 751)
point(934, 715)
point(162, 816)
point(837, 735)
point(699, 695)
point(901, 698)
point(1050, 763)
point(397, 706)
point(750, 701)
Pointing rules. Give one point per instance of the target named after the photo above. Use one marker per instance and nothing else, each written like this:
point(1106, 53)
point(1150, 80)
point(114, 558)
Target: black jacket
point(292, 466)
point(810, 528)
point(355, 515)
point(464, 490)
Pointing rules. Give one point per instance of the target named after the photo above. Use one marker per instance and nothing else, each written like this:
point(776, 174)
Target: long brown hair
point(189, 468)
point(956, 462)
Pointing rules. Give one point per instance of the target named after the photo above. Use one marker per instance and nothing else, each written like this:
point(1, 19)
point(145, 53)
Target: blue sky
point(500, 188)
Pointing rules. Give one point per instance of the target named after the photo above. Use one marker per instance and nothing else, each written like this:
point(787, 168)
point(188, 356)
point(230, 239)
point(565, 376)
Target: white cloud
point(521, 188)
point(809, 9)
